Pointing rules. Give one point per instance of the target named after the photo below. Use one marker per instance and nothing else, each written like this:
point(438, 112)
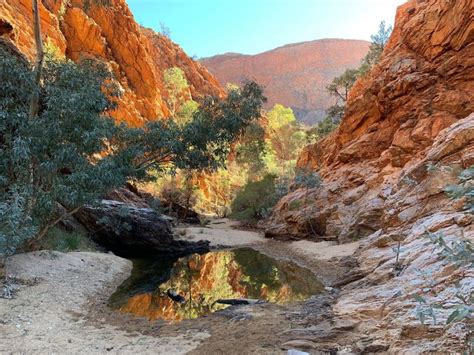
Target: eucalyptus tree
point(40, 53)
point(72, 152)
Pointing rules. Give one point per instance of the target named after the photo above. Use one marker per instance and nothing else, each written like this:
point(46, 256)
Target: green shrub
point(306, 178)
point(459, 253)
point(255, 200)
point(464, 189)
point(64, 241)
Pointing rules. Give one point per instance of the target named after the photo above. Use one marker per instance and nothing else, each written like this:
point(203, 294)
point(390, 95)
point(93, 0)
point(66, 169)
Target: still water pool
point(202, 279)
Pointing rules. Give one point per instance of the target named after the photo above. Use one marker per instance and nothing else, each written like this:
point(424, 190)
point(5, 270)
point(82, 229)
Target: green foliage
point(175, 80)
point(306, 178)
point(255, 200)
point(459, 253)
point(62, 9)
point(186, 112)
point(379, 40)
point(341, 85)
point(286, 137)
point(176, 86)
point(51, 50)
point(53, 158)
point(250, 151)
point(465, 188)
point(280, 116)
point(72, 153)
point(231, 86)
point(339, 89)
point(61, 240)
point(295, 204)
point(204, 142)
point(322, 129)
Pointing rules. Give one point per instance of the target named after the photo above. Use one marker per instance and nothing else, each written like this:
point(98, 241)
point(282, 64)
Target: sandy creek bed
point(60, 304)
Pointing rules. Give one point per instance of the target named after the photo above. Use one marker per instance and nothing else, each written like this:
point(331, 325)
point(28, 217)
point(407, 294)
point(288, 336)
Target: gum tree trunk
point(39, 61)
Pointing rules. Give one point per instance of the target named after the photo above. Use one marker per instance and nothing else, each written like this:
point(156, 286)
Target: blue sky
point(208, 27)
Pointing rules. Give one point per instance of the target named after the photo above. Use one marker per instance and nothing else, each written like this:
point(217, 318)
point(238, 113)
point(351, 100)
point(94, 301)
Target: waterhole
point(192, 286)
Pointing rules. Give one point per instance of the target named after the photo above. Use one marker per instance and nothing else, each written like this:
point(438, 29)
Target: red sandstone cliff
point(295, 75)
point(414, 109)
point(137, 56)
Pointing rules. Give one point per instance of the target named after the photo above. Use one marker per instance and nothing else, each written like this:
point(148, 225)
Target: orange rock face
point(138, 57)
point(295, 75)
point(423, 85)
point(415, 109)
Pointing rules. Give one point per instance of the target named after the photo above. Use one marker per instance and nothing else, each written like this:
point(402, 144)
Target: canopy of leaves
point(72, 152)
point(341, 85)
point(176, 87)
point(250, 150)
point(56, 157)
point(322, 129)
point(255, 200)
point(280, 116)
point(306, 178)
point(175, 80)
point(378, 43)
point(285, 135)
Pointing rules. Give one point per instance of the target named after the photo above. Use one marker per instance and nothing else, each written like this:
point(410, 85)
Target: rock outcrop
point(393, 119)
point(132, 231)
point(414, 110)
point(295, 75)
point(138, 57)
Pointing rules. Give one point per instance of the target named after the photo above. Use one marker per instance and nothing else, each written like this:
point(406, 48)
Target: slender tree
point(39, 62)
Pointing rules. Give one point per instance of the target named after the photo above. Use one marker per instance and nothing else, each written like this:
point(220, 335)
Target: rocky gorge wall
point(413, 110)
point(137, 56)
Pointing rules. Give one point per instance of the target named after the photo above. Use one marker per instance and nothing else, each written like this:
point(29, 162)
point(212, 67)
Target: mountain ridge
point(295, 74)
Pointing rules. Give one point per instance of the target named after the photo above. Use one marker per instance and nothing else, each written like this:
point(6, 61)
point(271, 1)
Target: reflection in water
point(203, 279)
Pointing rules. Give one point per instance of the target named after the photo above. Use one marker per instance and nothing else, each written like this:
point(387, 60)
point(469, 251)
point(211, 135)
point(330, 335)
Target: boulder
point(132, 231)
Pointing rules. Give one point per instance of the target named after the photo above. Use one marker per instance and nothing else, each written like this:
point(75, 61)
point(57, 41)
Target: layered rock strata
point(407, 133)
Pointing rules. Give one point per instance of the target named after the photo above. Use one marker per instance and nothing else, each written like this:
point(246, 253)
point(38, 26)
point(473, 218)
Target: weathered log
point(239, 301)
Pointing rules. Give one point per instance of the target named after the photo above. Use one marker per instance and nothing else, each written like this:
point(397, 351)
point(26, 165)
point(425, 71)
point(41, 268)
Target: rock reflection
point(204, 279)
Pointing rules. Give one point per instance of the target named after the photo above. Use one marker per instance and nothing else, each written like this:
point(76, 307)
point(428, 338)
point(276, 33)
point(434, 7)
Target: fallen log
point(240, 301)
point(175, 296)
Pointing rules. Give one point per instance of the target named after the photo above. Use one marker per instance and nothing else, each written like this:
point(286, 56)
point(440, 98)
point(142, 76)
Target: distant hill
point(294, 75)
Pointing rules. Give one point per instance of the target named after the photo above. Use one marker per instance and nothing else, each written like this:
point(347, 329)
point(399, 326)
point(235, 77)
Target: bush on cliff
point(459, 253)
point(70, 153)
point(340, 86)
